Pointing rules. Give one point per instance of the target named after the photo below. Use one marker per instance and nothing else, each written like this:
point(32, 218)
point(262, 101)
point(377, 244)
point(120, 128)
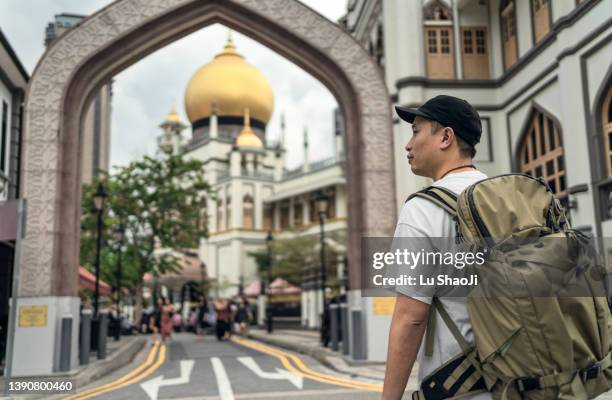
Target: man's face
point(423, 148)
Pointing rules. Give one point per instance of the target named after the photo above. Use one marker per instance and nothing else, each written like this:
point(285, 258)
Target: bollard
point(65, 344)
point(344, 327)
point(85, 337)
point(334, 326)
point(358, 347)
point(269, 320)
point(102, 333)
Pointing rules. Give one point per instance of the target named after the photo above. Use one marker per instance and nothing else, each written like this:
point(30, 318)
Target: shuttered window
point(542, 153)
point(440, 61)
point(508, 27)
point(541, 18)
point(474, 51)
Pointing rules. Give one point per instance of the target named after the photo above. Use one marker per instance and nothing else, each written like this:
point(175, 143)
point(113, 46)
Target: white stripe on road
point(223, 382)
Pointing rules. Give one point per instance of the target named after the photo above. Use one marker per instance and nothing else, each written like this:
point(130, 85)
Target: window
point(247, 212)
point(219, 214)
point(440, 62)
point(475, 53)
point(284, 215)
point(268, 217)
point(606, 114)
point(298, 214)
point(508, 28)
point(439, 40)
point(228, 212)
point(3, 138)
point(541, 153)
point(541, 18)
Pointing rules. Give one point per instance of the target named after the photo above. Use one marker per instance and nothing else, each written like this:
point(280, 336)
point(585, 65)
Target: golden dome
point(173, 117)
point(233, 84)
point(247, 137)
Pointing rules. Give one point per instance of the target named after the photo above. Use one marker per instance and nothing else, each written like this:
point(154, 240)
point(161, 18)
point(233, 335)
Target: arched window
point(228, 212)
point(606, 123)
point(508, 32)
point(541, 153)
point(439, 40)
point(219, 214)
point(284, 214)
point(541, 18)
point(268, 216)
point(247, 212)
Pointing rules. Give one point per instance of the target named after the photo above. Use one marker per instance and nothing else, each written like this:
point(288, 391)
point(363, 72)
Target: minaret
point(306, 166)
point(214, 122)
point(279, 162)
point(170, 140)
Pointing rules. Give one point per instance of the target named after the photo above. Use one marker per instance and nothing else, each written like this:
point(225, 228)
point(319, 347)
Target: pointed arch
point(248, 213)
point(540, 152)
point(83, 59)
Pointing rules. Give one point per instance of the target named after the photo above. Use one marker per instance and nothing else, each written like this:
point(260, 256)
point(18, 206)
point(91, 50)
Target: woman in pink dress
point(166, 320)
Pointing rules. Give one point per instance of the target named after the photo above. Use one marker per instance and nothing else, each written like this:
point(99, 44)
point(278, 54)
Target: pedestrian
point(166, 313)
point(445, 131)
point(177, 321)
point(224, 315)
point(202, 317)
point(242, 317)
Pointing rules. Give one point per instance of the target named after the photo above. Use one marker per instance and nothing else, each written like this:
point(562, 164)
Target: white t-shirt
point(422, 218)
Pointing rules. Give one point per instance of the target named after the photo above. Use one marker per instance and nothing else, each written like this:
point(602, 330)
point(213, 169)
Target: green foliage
point(295, 258)
point(160, 203)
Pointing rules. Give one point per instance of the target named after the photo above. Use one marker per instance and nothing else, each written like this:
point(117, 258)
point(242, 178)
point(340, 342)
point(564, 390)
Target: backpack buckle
point(526, 384)
point(590, 372)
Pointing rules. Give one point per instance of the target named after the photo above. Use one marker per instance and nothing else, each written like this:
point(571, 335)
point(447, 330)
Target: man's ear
point(447, 138)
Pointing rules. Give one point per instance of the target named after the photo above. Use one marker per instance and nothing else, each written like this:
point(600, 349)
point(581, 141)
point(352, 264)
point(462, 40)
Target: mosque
point(229, 103)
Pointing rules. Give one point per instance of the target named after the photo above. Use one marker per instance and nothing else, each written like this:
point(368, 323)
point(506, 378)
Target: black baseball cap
point(449, 111)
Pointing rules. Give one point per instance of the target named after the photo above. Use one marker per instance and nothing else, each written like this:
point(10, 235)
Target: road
point(192, 367)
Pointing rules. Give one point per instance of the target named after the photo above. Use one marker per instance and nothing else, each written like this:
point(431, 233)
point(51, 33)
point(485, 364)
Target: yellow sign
point(32, 316)
point(384, 305)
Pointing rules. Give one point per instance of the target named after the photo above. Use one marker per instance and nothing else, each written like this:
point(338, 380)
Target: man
point(445, 131)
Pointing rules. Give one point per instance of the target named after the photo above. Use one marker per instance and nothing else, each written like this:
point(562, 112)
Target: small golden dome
point(173, 117)
point(233, 84)
point(247, 137)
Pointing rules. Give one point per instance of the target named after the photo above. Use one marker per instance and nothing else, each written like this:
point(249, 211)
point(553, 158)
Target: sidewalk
point(118, 354)
point(307, 342)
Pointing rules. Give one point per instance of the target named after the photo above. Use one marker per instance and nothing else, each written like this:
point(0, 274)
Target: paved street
point(203, 368)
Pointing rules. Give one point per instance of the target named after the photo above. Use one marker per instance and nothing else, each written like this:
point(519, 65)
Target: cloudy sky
point(147, 90)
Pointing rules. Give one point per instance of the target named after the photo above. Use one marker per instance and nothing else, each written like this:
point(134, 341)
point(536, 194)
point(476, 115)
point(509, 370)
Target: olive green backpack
point(528, 345)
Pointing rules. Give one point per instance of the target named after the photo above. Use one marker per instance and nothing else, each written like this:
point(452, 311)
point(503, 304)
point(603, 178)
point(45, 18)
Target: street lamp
point(99, 199)
point(120, 235)
point(269, 319)
point(322, 202)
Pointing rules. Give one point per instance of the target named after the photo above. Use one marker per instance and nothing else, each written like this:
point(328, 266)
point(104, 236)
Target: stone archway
point(84, 58)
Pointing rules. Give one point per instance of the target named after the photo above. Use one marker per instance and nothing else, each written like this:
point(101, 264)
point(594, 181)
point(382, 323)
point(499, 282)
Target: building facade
point(96, 136)
point(538, 72)
point(229, 104)
point(13, 82)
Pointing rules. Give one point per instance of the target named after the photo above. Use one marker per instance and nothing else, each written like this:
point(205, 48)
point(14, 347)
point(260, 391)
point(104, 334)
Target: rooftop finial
point(247, 118)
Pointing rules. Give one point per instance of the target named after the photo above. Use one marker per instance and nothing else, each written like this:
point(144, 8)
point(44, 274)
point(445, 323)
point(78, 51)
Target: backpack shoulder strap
point(440, 196)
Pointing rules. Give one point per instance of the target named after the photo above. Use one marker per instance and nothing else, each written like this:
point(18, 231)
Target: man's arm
point(407, 330)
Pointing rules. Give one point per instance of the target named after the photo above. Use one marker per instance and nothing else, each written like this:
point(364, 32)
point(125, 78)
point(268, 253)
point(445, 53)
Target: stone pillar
point(457, 42)
point(235, 163)
point(258, 206)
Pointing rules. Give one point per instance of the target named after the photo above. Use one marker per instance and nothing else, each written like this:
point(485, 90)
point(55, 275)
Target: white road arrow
point(151, 387)
point(296, 380)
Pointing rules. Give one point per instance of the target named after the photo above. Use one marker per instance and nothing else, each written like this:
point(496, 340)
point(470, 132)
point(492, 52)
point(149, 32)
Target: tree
point(161, 203)
point(293, 258)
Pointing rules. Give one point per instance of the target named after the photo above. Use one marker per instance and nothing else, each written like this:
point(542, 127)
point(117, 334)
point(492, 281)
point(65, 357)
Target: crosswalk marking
point(223, 382)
